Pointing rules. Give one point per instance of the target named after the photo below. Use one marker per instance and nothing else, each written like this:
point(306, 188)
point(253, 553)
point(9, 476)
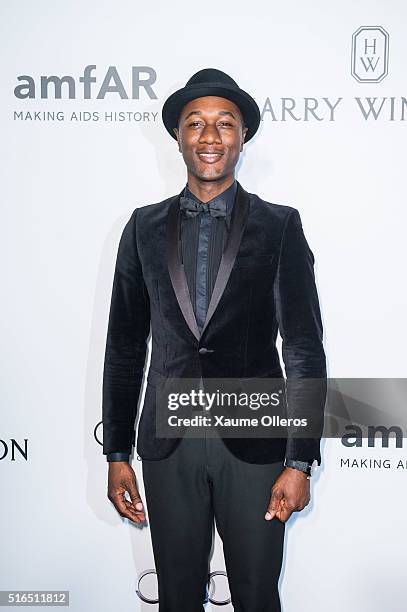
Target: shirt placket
point(201, 272)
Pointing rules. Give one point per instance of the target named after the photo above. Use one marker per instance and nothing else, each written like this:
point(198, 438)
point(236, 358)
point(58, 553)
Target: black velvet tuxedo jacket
point(265, 283)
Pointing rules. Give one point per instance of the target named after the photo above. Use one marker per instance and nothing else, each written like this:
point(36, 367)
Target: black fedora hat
point(211, 82)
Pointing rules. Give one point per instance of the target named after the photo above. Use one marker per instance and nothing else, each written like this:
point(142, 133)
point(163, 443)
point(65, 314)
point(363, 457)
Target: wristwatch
point(303, 466)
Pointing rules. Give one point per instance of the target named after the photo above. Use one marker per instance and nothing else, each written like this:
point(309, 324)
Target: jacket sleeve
point(299, 320)
point(126, 345)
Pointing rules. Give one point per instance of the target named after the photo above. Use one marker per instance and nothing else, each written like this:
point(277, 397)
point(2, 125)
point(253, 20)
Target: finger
point(119, 502)
point(138, 513)
point(274, 505)
point(138, 507)
point(136, 518)
point(285, 511)
point(135, 497)
point(132, 514)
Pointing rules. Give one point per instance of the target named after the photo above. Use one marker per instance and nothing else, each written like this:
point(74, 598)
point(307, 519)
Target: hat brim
point(174, 104)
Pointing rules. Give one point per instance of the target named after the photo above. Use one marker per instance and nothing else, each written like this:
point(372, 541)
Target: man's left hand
point(290, 493)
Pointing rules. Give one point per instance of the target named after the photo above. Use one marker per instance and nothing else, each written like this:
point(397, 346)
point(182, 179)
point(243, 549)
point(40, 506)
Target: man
point(215, 271)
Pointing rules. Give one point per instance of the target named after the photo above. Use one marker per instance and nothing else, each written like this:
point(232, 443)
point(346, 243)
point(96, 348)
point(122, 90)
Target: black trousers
point(199, 483)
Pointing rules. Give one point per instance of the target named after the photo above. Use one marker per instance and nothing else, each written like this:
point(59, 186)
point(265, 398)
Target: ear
point(244, 132)
point(175, 130)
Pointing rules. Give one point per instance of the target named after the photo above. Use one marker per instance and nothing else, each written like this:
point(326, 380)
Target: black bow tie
point(192, 207)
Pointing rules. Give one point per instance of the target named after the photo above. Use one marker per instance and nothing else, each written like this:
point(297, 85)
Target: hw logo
point(370, 54)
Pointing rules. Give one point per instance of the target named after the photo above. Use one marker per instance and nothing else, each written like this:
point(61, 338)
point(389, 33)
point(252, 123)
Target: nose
point(210, 133)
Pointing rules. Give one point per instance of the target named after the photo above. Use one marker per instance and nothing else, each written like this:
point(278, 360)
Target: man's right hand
point(122, 478)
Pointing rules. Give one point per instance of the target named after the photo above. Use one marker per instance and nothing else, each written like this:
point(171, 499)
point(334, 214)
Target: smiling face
point(210, 136)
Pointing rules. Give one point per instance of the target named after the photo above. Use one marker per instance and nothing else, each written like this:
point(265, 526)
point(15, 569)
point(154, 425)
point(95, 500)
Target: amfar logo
point(51, 86)
point(355, 435)
point(370, 54)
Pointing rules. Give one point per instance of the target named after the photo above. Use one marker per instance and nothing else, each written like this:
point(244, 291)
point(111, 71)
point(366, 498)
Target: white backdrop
point(68, 187)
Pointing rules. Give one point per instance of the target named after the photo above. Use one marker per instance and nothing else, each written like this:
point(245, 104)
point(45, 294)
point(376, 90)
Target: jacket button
point(204, 350)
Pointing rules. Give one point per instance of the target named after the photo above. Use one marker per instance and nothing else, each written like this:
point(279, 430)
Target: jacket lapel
point(176, 269)
point(237, 224)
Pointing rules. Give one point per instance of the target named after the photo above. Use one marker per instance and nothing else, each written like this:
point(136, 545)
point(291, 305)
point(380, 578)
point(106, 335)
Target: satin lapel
point(237, 224)
point(176, 268)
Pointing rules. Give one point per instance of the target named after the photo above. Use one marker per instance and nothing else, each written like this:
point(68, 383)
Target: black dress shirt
point(202, 243)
